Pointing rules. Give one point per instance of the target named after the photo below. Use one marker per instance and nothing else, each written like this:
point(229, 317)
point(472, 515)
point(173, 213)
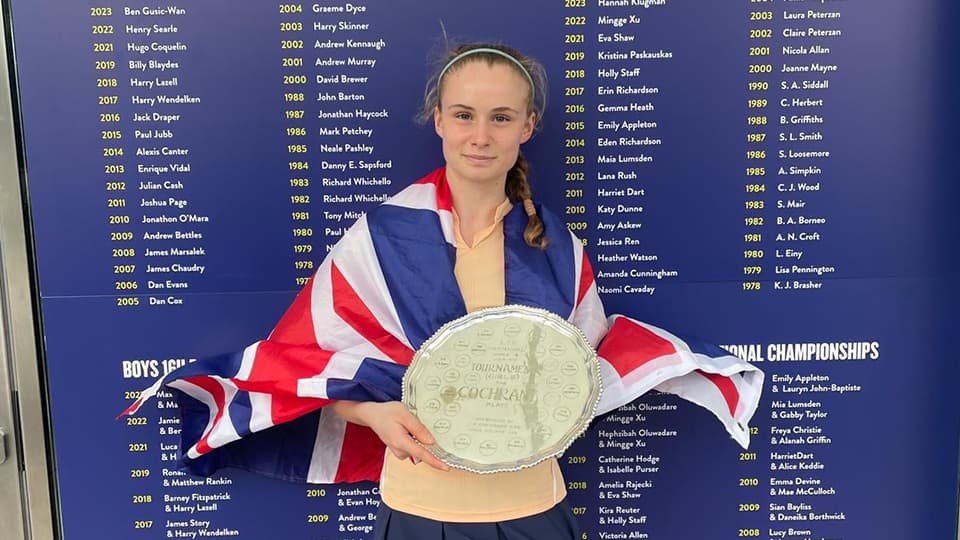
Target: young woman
point(319, 399)
point(484, 104)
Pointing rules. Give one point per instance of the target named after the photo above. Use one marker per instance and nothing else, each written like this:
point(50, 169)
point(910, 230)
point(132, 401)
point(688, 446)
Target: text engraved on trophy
point(503, 388)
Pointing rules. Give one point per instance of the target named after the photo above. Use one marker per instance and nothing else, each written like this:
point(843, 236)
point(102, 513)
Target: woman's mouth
point(478, 158)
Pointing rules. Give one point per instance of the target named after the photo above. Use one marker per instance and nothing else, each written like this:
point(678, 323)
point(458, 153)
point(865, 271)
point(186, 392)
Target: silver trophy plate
point(503, 388)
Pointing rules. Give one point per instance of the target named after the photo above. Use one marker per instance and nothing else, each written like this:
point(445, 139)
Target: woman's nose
point(481, 134)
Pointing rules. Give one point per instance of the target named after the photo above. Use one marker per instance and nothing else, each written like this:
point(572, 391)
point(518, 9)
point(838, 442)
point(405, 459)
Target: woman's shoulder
point(426, 193)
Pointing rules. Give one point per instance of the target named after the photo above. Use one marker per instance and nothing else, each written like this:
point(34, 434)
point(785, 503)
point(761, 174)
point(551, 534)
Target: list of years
point(785, 177)
point(610, 148)
point(330, 55)
point(614, 106)
point(192, 507)
point(789, 68)
point(327, 55)
point(141, 65)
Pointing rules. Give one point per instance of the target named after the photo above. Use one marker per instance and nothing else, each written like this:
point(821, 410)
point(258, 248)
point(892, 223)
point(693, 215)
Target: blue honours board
point(765, 175)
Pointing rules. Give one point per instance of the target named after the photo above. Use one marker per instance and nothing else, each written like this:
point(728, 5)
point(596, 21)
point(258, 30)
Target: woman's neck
point(476, 204)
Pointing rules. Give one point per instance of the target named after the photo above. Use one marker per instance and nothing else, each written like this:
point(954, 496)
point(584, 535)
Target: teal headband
point(464, 54)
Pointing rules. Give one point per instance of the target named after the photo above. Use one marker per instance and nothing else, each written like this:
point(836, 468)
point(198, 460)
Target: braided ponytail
point(518, 190)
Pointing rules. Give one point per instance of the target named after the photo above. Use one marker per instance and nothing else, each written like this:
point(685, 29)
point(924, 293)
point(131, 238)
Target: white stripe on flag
point(420, 196)
point(652, 372)
point(749, 386)
point(329, 329)
point(619, 391)
point(590, 317)
point(361, 268)
point(341, 366)
point(613, 394)
point(221, 433)
point(696, 388)
point(424, 197)
point(327, 448)
point(577, 271)
point(145, 396)
point(261, 416)
point(246, 363)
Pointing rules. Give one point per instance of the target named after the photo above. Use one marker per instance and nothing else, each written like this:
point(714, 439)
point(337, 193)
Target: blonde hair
point(517, 187)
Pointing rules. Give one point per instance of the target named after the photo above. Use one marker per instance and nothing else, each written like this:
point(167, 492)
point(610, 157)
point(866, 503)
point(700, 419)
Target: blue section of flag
point(698, 346)
point(534, 277)
point(255, 452)
point(240, 410)
point(417, 265)
point(375, 380)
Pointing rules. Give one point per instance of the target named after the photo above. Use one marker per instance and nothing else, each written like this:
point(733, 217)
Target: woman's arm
point(396, 426)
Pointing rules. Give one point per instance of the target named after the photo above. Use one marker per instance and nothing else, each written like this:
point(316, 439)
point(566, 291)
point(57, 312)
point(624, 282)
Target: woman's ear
point(528, 128)
point(437, 126)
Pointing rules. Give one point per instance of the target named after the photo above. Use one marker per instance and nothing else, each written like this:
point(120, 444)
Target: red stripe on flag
point(350, 307)
point(296, 325)
point(129, 410)
point(438, 178)
point(586, 279)
point(726, 388)
point(276, 369)
point(289, 355)
point(361, 456)
point(628, 346)
point(216, 393)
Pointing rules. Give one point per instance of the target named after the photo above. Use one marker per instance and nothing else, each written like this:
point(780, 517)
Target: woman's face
point(482, 121)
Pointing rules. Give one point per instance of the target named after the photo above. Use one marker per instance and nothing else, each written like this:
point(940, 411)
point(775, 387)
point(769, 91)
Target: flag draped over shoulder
point(385, 288)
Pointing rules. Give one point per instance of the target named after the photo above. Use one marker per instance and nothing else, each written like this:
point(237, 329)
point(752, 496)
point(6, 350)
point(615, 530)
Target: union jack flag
point(385, 288)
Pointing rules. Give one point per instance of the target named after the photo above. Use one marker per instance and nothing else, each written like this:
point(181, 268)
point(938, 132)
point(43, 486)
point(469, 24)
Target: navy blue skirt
point(556, 523)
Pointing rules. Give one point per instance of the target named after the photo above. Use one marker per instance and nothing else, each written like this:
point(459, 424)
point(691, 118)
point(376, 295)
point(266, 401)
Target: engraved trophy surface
point(503, 388)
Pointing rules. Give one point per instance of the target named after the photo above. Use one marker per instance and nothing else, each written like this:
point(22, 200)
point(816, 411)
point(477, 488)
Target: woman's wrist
point(352, 411)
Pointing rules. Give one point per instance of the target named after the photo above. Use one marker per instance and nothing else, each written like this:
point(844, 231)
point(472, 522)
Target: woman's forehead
point(481, 80)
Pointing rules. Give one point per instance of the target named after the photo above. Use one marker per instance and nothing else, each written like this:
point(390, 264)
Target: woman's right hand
point(396, 426)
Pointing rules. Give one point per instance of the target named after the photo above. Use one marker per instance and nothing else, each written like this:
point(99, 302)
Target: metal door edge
point(18, 338)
